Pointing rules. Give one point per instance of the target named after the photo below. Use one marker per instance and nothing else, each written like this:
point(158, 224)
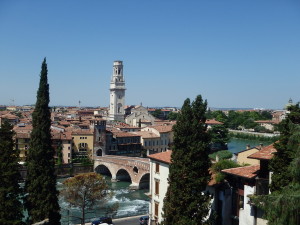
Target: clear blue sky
point(233, 53)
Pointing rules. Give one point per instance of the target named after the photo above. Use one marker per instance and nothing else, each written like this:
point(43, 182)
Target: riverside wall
point(65, 170)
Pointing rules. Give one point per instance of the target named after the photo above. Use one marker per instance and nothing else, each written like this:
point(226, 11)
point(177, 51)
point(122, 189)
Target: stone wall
point(64, 170)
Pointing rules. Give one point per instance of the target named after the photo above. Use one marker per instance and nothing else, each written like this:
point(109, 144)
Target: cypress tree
point(282, 206)
point(285, 151)
point(41, 200)
point(11, 210)
point(185, 202)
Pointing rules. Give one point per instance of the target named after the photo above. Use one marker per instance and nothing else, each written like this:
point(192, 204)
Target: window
point(156, 204)
point(156, 187)
point(156, 167)
point(83, 145)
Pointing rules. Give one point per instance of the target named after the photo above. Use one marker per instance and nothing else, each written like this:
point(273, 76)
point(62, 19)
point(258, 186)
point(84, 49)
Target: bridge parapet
point(135, 167)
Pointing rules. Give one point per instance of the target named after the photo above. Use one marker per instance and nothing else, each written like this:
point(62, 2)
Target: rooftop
point(164, 157)
point(265, 153)
point(246, 171)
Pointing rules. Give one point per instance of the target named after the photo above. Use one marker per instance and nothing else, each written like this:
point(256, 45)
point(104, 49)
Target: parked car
point(103, 221)
point(144, 220)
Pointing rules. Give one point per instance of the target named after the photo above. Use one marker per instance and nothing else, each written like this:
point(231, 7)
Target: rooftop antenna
point(79, 103)
point(13, 102)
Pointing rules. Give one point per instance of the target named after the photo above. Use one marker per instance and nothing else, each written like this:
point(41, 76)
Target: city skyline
point(235, 54)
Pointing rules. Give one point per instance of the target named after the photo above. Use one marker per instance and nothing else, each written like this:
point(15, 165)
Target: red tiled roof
point(125, 134)
point(82, 132)
point(213, 122)
point(164, 157)
point(266, 121)
point(22, 135)
point(265, 153)
point(246, 171)
point(146, 134)
point(163, 128)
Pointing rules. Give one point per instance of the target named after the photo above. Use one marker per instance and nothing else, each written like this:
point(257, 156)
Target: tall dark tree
point(282, 206)
point(219, 137)
point(11, 210)
point(185, 202)
point(41, 199)
point(285, 151)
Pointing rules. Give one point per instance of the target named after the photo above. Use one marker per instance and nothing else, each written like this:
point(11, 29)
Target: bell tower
point(117, 93)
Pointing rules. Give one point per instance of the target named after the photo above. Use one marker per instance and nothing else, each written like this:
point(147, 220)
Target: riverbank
point(247, 135)
point(124, 221)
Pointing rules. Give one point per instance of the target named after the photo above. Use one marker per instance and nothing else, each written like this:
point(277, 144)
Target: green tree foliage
point(285, 150)
point(41, 200)
point(59, 155)
point(219, 135)
point(282, 206)
point(157, 113)
point(11, 210)
point(245, 119)
point(222, 165)
point(85, 191)
point(224, 154)
point(217, 115)
point(235, 119)
point(172, 116)
point(189, 174)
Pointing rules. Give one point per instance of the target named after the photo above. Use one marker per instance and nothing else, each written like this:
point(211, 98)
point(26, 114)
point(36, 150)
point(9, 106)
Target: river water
point(236, 145)
point(131, 202)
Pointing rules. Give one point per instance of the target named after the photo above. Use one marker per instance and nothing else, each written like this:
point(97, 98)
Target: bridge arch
point(132, 169)
point(123, 175)
point(144, 182)
point(103, 170)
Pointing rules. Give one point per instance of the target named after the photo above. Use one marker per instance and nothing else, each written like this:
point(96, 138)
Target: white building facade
point(117, 93)
point(159, 173)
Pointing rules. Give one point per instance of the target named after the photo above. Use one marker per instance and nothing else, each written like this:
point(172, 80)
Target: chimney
point(261, 145)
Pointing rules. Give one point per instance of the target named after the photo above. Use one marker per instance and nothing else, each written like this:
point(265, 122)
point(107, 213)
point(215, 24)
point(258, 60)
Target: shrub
point(224, 154)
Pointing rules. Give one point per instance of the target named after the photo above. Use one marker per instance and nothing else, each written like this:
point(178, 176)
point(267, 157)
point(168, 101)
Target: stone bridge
point(124, 168)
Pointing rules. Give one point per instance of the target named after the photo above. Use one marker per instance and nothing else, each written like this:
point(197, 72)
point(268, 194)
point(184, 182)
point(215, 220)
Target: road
point(134, 220)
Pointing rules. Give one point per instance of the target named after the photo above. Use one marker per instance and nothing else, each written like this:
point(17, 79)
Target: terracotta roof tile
point(267, 121)
point(164, 157)
point(246, 171)
point(125, 134)
point(82, 132)
point(163, 128)
point(265, 153)
point(213, 122)
point(146, 134)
